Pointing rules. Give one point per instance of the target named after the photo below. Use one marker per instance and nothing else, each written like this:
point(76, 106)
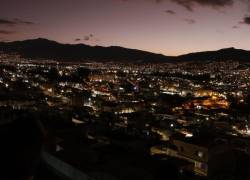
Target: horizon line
point(108, 46)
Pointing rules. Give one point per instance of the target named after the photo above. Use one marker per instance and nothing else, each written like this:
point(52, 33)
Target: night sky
point(170, 27)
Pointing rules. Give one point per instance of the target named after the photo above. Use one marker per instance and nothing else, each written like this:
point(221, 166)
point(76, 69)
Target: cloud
point(246, 20)
point(190, 4)
point(89, 37)
point(5, 32)
point(7, 22)
point(170, 12)
point(190, 21)
point(86, 38)
point(12, 24)
point(235, 27)
point(19, 21)
point(15, 22)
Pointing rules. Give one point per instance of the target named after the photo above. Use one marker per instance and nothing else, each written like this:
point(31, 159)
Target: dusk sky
point(170, 27)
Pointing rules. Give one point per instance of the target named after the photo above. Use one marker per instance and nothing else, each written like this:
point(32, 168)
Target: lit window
point(200, 154)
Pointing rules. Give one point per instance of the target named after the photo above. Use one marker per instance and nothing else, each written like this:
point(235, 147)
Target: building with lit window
point(209, 155)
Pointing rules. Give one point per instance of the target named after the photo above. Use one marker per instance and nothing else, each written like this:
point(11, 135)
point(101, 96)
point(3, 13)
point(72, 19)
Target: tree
point(53, 74)
point(82, 73)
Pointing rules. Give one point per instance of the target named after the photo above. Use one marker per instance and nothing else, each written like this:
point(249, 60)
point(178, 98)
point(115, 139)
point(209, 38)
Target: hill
point(47, 49)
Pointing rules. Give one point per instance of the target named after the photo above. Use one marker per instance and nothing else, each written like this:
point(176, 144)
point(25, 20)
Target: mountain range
point(47, 49)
